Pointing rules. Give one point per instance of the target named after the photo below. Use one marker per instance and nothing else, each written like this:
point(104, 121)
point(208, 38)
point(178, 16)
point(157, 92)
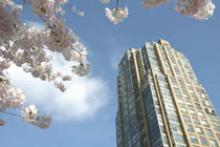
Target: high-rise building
point(161, 103)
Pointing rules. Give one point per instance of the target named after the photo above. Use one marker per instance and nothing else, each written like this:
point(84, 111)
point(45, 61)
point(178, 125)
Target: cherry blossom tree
point(28, 47)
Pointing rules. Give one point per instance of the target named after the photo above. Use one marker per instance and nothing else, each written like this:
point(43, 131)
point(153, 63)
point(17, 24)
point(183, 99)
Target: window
point(209, 132)
point(187, 118)
point(192, 111)
point(178, 138)
point(194, 139)
point(164, 137)
point(190, 128)
point(180, 145)
point(175, 127)
point(203, 95)
point(203, 140)
point(199, 130)
point(200, 114)
point(213, 143)
point(206, 103)
point(198, 106)
point(196, 121)
point(217, 128)
point(204, 123)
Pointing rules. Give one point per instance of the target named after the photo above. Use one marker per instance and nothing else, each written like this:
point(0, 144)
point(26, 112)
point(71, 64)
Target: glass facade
point(160, 101)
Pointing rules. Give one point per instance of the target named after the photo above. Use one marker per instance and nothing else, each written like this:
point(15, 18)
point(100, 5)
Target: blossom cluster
point(30, 48)
point(198, 9)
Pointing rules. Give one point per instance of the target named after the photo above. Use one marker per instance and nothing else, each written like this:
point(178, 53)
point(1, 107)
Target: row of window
point(203, 141)
point(171, 112)
point(200, 130)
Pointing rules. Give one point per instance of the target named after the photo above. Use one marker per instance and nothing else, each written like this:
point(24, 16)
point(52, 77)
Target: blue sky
point(106, 43)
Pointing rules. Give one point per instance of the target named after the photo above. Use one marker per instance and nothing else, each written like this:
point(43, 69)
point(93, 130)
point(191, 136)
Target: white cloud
point(82, 99)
